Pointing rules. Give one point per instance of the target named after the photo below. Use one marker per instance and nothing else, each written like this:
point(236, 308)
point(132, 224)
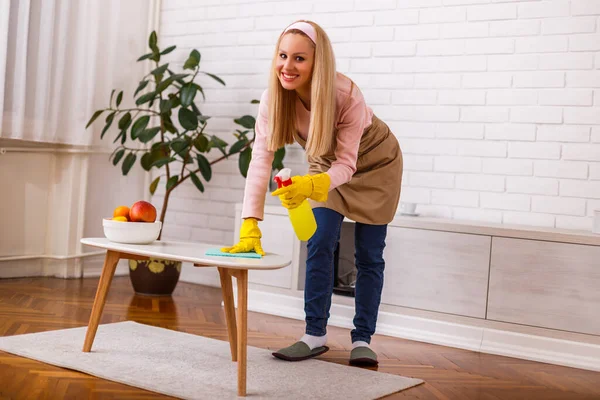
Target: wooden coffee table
point(194, 253)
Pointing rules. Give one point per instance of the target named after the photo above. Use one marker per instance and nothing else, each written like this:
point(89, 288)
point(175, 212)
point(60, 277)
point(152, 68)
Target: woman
point(355, 172)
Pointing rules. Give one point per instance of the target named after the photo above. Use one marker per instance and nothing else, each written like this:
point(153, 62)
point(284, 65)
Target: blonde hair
point(282, 102)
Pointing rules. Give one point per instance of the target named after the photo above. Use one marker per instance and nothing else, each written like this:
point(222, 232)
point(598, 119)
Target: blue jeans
point(369, 245)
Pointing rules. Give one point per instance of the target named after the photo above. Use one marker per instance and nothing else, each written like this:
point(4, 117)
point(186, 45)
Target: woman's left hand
point(315, 187)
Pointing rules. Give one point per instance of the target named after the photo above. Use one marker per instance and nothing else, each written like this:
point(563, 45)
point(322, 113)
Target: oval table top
point(190, 252)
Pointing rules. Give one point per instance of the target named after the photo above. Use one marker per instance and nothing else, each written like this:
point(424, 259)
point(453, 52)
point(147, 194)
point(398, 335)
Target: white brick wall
point(496, 104)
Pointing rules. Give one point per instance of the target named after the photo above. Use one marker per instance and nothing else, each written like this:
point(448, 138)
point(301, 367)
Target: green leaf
point(187, 158)
point(112, 93)
point(94, 116)
point(152, 42)
point(155, 56)
point(146, 161)
point(148, 134)
point(237, 146)
point(160, 148)
point(247, 121)
point(216, 78)
point(205, 168)
point(128, 163)
point(118, 156)
point(119, 137)
point(197, 182)
point(145, 57)
point(159, 155)
point(278, 159)
point(139, 126)
point(169, 125)
point(254, 101)
point(145, 98)
point(188, 92)
point(196, 110)
point(119, 98)
point(179, 76)
point(162, 161)
point(193, 60)
point(172, 181)
point(109, 121)
point(160, 70)
point(123, 136)
point(125, 121)
point(168, 50)
point(154, 185)
point(141, 87)
point(175, 100)
point(196, 54)
point(188, 119)
point(218, 142)
point(244, 161)
point(164, 84)
point(180, 145)
point(166, 106)
point(201, 143)
point(199, 88)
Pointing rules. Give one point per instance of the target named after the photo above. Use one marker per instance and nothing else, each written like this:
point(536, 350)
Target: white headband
point(305, 27)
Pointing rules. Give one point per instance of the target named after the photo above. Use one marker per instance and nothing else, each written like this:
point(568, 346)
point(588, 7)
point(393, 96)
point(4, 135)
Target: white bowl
point(131, 232)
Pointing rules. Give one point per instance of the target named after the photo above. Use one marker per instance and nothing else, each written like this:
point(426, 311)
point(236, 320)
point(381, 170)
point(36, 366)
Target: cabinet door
point(437, 271)
point(546, 284)
point(278, 237)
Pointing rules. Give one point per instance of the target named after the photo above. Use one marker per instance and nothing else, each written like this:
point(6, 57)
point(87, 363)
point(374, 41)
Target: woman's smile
point(289, 77)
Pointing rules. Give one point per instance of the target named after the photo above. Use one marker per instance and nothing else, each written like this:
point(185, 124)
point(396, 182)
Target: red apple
point(142, 211)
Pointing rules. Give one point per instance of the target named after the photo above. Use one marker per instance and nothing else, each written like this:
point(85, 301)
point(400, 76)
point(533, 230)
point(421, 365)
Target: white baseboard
point(92, 267)
point(21, 268)
point(66, 269)
point(538, 348)
point(485, 340)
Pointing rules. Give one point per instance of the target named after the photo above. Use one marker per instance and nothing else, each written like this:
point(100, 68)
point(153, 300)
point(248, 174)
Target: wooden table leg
point(242, 327)
point(108, 271)
point(227, 291)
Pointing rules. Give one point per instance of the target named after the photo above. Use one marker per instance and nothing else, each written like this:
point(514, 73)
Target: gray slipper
point(363, 356)
point(299, 351)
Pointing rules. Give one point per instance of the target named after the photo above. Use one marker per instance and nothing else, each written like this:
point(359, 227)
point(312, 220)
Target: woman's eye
point(299, 58)
point(283, 56)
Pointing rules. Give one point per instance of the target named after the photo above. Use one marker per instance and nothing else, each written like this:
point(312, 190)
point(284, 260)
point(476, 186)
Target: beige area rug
point(195, 367)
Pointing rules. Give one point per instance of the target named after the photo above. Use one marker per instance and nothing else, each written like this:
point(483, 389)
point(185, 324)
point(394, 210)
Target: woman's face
point(295, 61)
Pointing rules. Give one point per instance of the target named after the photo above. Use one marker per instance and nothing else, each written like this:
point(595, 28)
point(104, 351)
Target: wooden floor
point(42, 304)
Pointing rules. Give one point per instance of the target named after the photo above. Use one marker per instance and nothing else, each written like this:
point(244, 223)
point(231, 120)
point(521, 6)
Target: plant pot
point(154, 277)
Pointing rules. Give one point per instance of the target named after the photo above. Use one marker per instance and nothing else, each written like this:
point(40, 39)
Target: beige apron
point(372, 195)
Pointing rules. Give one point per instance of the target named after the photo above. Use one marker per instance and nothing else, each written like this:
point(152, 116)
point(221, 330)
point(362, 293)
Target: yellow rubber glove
point(315, 187)
point(249, 239)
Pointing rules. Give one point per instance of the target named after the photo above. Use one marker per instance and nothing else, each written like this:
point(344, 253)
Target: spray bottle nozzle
point(283, 178)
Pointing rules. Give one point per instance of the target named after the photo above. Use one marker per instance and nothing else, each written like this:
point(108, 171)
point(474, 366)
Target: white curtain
point(4, 12)
point(61, 60)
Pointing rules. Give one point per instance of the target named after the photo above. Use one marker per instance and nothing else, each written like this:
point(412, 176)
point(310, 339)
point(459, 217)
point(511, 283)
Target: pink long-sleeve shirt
point(352, 117)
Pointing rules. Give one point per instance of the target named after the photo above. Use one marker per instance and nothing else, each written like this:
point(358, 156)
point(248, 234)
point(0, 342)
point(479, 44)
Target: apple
point(142, 211)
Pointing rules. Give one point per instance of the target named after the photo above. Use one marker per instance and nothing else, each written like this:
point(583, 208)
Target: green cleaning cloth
point(218, 252)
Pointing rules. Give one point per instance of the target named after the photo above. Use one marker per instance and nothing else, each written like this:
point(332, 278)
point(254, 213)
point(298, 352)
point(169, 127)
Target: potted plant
point(167, 131)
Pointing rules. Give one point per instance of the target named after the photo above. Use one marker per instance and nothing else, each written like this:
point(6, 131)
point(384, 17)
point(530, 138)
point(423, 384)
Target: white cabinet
point(504, 289)
point(437, 271)
point(545, 284)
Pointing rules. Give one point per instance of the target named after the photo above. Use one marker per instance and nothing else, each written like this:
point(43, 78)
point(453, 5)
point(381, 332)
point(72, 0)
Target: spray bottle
point(302, 217)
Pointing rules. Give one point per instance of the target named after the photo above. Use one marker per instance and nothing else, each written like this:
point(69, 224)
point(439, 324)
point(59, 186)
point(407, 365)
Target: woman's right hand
point(249, 239)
